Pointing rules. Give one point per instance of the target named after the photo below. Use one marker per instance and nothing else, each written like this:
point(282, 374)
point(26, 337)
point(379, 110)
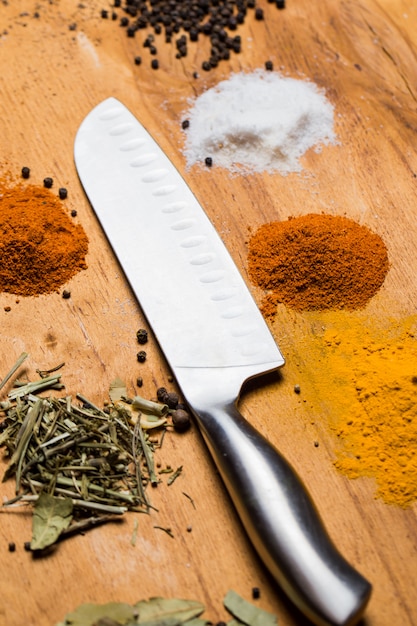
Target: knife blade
point(214, 339)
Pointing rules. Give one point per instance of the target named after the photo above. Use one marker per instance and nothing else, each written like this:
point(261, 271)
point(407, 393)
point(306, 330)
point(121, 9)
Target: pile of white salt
point(256, 122)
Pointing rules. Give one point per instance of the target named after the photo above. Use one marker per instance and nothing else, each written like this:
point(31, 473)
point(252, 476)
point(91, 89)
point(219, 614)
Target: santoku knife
point(214, 339)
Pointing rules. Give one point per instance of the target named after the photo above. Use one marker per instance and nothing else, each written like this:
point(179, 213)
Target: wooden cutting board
point(54, 68)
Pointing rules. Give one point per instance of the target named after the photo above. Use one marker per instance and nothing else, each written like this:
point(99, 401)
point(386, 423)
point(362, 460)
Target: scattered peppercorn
point(161, 392)
point(25, 172)
point(316, 444)
point(181, 420)
point(73, 213)
point(280, 4)
point(269, 66)
point(142, 336)
point(297, 389)
point(48, 182)
point(171, 399)
point(213, 19)
point(12, 546)
point(63, 193)
point(256, 593)
point(139, 382)
point(104, 14)
point(66, 294)
point(208, 161)
point(26, 546)
point(141, 356)
point(138, 60)
point(185, 124)
point(155, 64)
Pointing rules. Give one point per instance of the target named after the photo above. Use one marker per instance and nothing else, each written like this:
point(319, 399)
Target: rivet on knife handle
point(214, 339)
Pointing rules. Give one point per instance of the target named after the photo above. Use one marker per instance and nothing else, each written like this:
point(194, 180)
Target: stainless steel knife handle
point(282, 521)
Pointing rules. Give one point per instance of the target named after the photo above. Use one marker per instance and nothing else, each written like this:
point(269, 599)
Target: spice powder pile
point(362, 374)
point(40, 247)
point(317, 261)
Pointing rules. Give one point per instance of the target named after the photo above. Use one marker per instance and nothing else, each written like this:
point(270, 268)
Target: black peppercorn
point(138, 60)
point(142, 336)
point(185, 124)
point(63, 193)
point(155, 64)
point(171, 399)
point(269, 66)
point(66, 294)
point(73, 213)
point(256, 593)
point(280, 4)
point(161, 393)
point(26, 545)
point(259, 14)
point(208, 161)
point(141, 356)
point(12, 546)
point(25, 172)
point(181, 420)
point(139, 382)
point(104, 14)
point(48, 182)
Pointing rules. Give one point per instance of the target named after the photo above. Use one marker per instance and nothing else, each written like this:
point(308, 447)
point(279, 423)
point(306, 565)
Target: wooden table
point(54, 68)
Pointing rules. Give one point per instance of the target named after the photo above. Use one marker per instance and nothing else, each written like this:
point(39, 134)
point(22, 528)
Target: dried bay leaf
point(246, 612)
point(155, 610)
point(117, 390)
point(51, 516)
point(166, 621)
point(93, 614)
point(152, 612)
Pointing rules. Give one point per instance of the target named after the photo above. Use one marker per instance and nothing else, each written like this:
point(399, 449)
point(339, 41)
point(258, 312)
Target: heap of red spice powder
point(317, 261)
point(41, 248)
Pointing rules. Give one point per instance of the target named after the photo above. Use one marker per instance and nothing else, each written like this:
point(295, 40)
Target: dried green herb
point(117, 390)
point(15, 367)
point(153, 612)
point(90, 614)
point(247, 613)
point(98, 461)
point(165, 612)
point(51, 516)
point(163, 608)
point(175, 475)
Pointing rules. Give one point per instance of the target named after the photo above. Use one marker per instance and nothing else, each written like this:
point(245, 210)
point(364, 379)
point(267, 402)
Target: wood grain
point(363, 53)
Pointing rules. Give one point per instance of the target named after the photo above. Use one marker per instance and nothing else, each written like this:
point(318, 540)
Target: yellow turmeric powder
point(363, 373)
